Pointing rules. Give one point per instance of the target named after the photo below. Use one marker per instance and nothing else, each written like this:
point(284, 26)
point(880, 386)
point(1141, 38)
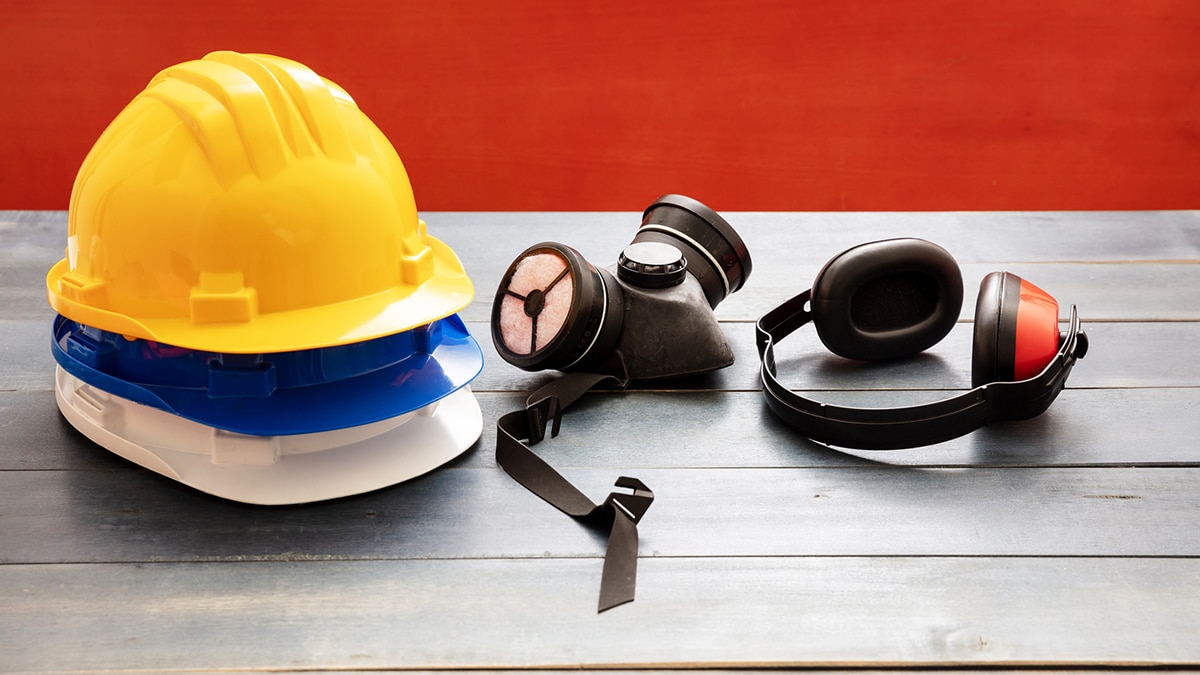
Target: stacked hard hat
point(249, 303)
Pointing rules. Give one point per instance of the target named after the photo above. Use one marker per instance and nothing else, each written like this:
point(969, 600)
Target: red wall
point(602, 105)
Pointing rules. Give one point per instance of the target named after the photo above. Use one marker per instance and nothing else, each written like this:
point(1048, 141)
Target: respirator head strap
point(906, 426)
point(621, 511)
point(547, 403)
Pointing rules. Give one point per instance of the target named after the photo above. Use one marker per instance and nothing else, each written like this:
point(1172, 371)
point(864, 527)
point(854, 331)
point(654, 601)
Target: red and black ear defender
point(894, 298)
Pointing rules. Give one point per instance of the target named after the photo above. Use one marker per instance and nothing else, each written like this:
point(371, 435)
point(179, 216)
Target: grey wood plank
point(30, 242)
point(812, 238)
point(1120, 355)
point(25, 359)
point(1102, 291)
point(1137, 354)
point(34, 435)
point(1144, 427)
point(491, 614)
point(788, 249)
point(136, 516)
point(1084, 427)
point(1065, 253)
point(725, 670)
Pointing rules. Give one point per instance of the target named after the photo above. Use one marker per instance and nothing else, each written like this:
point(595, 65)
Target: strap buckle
point(633, 505)
point(539, 413)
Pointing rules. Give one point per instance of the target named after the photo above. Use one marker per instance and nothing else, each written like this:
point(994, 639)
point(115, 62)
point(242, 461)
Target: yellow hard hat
point(244, 204)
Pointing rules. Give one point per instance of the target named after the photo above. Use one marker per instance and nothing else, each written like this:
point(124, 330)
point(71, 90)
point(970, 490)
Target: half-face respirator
point(554, 310)
point(649, 316)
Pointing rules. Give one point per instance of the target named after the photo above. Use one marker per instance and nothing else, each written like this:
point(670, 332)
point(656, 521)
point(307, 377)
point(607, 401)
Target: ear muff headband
point(908, 426)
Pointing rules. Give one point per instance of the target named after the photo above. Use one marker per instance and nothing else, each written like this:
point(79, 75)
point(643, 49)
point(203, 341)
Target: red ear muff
point(1016, 330)
point(555, 310)
point(1037, 331)
point(886, 299)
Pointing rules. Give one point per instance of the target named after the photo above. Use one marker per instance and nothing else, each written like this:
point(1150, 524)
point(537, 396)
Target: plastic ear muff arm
point(909, 426)
point(620, 511)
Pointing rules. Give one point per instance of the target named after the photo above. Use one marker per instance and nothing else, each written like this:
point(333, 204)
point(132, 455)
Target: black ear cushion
point(993, 350)
point(886, 299)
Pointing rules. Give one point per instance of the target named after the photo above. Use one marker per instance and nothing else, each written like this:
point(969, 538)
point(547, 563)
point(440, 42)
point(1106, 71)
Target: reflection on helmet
point(243, 204)
point(249, 303)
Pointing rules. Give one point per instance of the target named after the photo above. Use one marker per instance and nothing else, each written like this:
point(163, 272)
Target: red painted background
point(744, 104)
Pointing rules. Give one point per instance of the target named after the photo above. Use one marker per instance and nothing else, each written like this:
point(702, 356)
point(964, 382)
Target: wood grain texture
point(1066, 541)
point(1085, 258)
point(764, 612)
point(1117, 359)
point(75, 516)
point(707, 429)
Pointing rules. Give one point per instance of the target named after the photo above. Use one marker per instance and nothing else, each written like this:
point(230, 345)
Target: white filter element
point(291, 469)
point(542, 272)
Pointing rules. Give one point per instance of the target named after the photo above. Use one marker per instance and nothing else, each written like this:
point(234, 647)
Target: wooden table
point(1070, 540)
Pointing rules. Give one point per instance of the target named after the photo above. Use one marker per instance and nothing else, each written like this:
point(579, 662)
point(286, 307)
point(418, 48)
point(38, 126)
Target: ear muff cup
point(1016, 330)
point(555, 310)
point(886, 299)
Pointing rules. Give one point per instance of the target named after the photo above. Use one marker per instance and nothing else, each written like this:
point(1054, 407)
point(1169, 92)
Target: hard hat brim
point(282, 393)
point(274, 470)
point(402, 308)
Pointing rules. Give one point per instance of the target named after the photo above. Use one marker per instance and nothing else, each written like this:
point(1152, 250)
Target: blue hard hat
point(280, 393)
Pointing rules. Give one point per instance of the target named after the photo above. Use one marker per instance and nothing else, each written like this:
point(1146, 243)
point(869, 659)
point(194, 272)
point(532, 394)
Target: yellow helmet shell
point(243, 204)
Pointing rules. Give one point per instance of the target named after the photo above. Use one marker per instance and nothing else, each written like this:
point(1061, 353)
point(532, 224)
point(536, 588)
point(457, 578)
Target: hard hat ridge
point(244, 204)
point(278, 107)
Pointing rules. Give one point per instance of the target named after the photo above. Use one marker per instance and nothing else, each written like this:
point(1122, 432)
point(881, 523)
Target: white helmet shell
point(274, 470)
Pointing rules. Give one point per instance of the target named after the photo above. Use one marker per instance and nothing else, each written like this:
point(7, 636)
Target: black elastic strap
point(908, 426)
point(620, 511)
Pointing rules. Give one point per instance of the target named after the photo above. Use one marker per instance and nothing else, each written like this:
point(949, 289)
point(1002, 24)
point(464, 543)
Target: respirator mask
point(647, 317)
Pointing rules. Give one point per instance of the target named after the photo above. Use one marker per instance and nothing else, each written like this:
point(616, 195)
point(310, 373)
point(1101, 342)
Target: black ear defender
point(895, 298)
point(648, 316)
